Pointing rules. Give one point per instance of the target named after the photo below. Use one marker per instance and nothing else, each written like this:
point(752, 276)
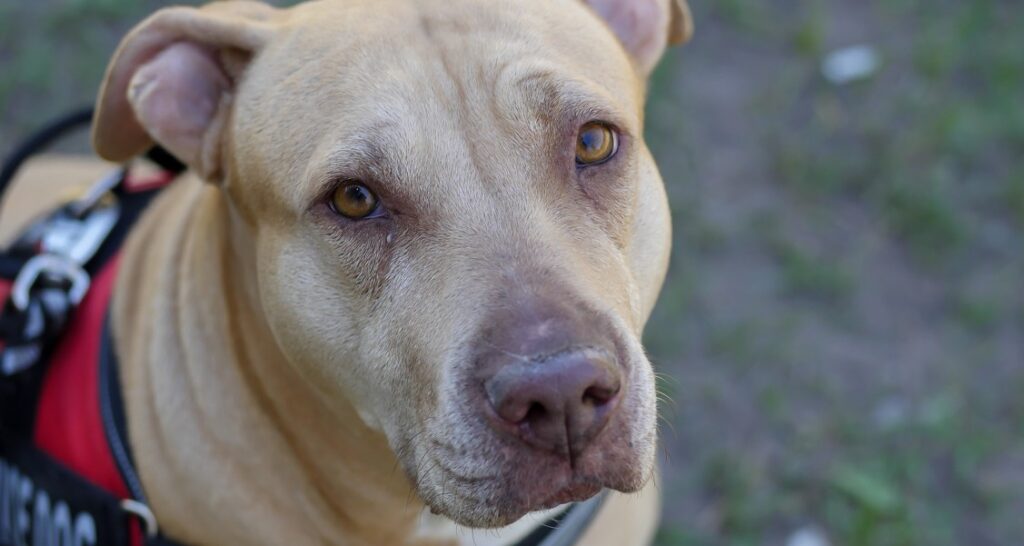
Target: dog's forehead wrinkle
point(457, 136)
point(462, 109)
point(365, 153)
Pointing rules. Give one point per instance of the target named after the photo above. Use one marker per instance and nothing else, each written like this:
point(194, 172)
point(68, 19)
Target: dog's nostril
point(535, 413)
point(598, 396)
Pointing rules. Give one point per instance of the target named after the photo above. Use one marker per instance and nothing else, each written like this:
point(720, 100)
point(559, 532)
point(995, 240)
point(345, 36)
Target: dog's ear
point(171, 82)
point(646, 27)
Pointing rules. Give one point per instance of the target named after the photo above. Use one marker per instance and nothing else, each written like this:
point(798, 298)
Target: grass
point(1014, 198)
point(925, 157)
point(749, 15)
point(808, 276)
point(875, 494)
point(751, 342)
point(809, 34)
point(978, 314)
point(924, 220)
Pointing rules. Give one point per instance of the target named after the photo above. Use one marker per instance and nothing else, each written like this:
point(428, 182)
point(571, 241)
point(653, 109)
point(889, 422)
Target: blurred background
point(841, 337)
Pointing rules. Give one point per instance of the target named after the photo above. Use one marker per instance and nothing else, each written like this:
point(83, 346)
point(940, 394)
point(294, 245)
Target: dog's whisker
point(517, 356)
point(671, 426)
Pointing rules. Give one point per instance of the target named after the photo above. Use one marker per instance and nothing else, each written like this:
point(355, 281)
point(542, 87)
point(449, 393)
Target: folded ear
point(171, 82)
point(646, 27)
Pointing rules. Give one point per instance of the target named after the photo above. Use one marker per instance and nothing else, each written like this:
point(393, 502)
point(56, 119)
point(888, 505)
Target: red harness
point(68, 423)
point(69, 426)
point(72, 424)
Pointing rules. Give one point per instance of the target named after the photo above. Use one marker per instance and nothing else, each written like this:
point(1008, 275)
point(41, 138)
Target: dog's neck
point(232, 444)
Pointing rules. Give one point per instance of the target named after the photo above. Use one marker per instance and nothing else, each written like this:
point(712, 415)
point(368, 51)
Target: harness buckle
point(80, 229)
point(78, 239)
point(53, 266)
point(53, 281)
point(68, 240)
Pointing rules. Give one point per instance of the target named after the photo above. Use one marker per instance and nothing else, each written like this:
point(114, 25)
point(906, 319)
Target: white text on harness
point(29, 517)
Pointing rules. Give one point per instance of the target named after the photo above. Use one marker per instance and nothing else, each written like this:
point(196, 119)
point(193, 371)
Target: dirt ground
point(842, 333)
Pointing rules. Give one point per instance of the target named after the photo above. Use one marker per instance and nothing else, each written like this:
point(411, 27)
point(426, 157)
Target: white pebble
point(850, 64)
point(808, 536)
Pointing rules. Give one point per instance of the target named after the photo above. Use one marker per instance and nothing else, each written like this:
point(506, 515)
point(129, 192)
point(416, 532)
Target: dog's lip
point(575, 491)
point(571, 487)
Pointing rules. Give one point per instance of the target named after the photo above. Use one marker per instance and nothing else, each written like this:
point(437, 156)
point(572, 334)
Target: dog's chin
point(506, 510)
point(502, 501)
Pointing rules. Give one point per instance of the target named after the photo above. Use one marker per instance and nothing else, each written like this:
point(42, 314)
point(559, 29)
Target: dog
point(400, 292)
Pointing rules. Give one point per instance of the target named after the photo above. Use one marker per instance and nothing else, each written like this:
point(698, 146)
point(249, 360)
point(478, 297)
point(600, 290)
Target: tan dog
point(390, 260)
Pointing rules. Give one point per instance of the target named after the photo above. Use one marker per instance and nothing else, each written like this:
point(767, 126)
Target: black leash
point(40, 140)
point(59, 128)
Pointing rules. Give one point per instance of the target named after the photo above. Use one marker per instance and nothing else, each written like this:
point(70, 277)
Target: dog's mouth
point(540, 496)
point(491, 483)
point(510, 499)
point(576, 491)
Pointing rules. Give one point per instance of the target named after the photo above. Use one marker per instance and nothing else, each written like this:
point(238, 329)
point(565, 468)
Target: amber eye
point(596, 143)
point(354, 200)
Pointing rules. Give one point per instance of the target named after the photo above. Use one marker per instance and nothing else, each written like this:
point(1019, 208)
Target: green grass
point(751, 342)
point(749, 15)
point(808, 37)
point(808, 276)
point(924, 220)
point(875, 494)
point(803, 274)
point(978, 314)
point(930, 151)
point(1014, 197)
point(810, 173)
point(671, 535)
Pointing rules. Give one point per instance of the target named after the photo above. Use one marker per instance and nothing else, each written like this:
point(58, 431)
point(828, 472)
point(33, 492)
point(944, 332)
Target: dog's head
point(456, 224)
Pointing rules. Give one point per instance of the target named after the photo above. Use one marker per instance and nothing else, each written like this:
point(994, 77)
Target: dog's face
point(458, 227)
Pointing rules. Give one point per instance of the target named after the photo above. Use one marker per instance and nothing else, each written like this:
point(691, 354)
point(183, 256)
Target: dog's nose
point(556, 403)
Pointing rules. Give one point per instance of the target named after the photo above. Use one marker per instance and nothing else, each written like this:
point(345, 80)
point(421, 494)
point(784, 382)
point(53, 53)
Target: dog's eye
point(354, 200)
point(596, 143)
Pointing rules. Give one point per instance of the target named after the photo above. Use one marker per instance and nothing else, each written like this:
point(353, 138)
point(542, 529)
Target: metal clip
point(141, 511)
point(80, 230)
point(98, 190)
point(54, 266)
point(80, 239)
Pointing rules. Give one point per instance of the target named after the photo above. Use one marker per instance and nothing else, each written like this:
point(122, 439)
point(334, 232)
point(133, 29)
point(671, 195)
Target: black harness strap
point(566, 528)
point(42, 502)
point(41, 140)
